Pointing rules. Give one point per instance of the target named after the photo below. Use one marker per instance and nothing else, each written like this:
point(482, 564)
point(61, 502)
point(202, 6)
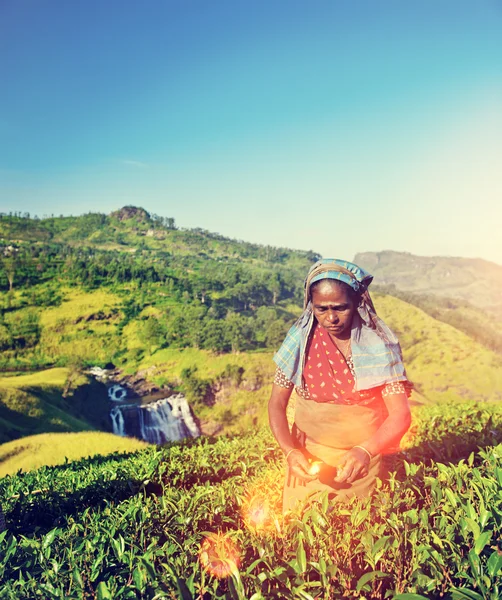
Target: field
point(48, 449)
point(202, 520)
point(53, 400)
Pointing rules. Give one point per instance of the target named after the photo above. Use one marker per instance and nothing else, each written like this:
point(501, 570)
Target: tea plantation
point(202, 520)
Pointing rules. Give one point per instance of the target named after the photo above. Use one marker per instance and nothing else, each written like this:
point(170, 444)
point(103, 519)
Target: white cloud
point(134, 163)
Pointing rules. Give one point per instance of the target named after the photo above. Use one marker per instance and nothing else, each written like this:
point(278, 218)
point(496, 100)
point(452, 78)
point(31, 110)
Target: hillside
point(133, 229)
point(443, 362)
point(182, 287)
point(54, 400)
point(183, 310)
point(476, 281)
point(228, 391)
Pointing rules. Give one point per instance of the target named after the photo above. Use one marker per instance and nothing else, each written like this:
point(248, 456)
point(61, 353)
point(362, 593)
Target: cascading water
point(159, 422)
point(117, 421)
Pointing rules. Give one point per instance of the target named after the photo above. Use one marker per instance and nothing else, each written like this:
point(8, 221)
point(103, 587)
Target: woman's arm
point(394, 427)
point(277, 405)
point(355, 462)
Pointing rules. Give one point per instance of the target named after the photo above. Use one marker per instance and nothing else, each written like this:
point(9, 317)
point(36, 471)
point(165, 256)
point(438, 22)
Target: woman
point(346, 367)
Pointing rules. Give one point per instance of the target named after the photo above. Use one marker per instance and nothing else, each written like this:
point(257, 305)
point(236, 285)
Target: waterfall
point(117, 421)
point(159, 422)
point(181, 410)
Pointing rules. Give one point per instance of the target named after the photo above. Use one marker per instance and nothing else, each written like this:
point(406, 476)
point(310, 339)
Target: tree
point(10, 263)
point(151, 334)
point(75, 367)
point(24, 328)
point(238, 332)
point(213, 336)
point(195, 389)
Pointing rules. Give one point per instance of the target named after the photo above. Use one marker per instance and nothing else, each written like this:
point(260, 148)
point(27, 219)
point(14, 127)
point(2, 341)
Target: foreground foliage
point(202, 520)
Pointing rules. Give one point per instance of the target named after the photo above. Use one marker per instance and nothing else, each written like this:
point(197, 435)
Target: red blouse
point(329, 377)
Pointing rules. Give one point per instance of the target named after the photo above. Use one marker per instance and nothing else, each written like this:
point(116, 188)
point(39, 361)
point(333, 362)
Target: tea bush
point(201, 519)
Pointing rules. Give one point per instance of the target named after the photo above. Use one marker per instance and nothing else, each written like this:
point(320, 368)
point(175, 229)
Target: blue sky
point(330, 125)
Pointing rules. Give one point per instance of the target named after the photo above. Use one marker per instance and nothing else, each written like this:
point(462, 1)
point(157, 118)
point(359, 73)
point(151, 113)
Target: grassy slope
point(49, 449)
point(65, 330)
point(33, 403)
point(442, 361)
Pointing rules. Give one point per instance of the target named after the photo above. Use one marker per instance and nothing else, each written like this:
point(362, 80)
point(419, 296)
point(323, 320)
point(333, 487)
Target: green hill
point(181, 287)
point(191, 310)
point(464, 293)
point(443, 362)
point(54, 400)
point(133, 229)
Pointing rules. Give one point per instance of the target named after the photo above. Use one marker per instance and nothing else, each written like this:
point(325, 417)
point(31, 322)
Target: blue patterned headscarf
point(376, 353)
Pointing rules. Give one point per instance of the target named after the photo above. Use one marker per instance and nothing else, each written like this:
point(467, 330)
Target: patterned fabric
point(281, 380)
point(332, 268)
point(326, 374)
point(396, 387)
point(376, 353)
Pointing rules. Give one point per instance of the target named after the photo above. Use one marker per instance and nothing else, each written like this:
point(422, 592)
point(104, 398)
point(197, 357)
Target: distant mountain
point(477, 281)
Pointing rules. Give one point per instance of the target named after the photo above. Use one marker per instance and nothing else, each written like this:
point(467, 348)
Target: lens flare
point(219, 556)
point(256, 513)
point(261, 505)
point(315, 467)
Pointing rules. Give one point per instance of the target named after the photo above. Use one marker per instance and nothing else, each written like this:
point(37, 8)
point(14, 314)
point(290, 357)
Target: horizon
point(334, 128)
point(234, 239)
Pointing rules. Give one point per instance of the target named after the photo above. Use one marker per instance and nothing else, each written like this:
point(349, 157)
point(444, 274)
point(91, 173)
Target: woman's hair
point(352, 294)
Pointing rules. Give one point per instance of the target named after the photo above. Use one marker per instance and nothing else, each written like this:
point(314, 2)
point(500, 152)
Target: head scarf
point(376, 353)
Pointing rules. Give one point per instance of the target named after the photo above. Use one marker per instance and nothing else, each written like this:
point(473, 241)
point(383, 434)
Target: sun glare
point(260, 512)
point(219, 555)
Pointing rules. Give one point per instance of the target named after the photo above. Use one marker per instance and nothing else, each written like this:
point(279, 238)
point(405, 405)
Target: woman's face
point(334, 308)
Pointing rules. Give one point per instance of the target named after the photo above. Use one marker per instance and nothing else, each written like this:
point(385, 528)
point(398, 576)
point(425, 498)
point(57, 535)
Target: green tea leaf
point(474, 562)
point(481, 542)
point(138, 578)
point(102, 592)
point(150, 569)
point(451, 497)
point(49, 538)
point(367, 577)
point(301, 556)
point(465, 594)
point(494, 563)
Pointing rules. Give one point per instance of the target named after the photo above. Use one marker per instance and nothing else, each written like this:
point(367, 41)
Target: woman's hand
point(354, 465)
point(300, 466)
